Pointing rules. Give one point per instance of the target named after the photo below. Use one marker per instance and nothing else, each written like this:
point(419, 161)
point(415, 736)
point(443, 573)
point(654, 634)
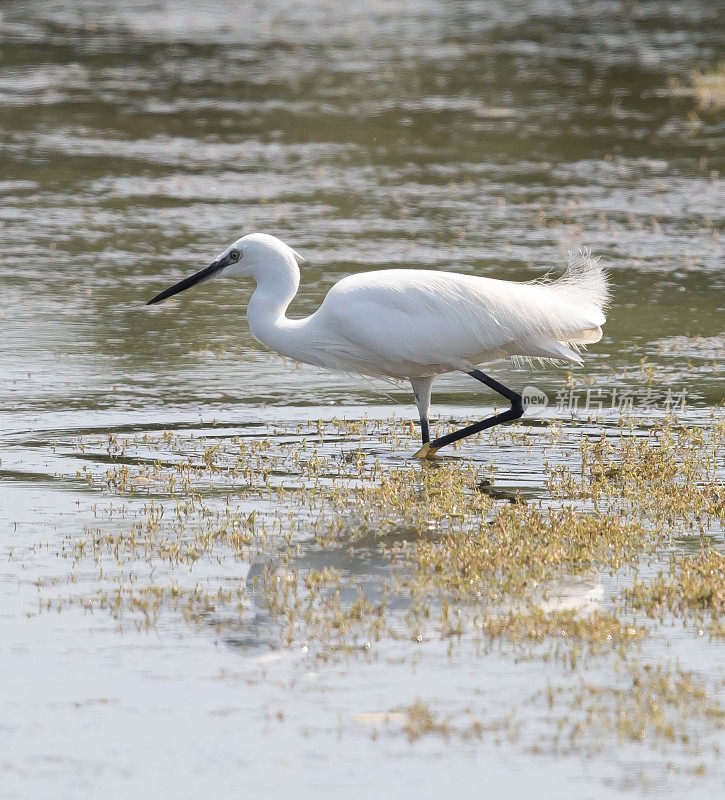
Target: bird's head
point(246, 256)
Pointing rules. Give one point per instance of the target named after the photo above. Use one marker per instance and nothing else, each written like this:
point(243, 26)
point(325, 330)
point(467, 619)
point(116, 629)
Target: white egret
point(416, 324)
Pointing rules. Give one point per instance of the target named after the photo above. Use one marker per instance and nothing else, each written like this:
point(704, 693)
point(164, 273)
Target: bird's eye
point(234, 255)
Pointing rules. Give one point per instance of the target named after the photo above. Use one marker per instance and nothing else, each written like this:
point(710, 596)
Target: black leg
point(424, 430)
point(516, 411)
point(421, 391)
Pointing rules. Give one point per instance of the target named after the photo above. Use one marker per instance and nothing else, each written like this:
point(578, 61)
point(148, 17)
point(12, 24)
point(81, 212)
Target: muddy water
point(137, 140)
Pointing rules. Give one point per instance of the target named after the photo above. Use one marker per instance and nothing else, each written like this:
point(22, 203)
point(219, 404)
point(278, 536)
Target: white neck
point(278, 279)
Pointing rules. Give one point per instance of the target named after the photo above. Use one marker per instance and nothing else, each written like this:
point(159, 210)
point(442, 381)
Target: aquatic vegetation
point(693, 586)
point(460, 561)
point(657, 702)
point(421, 720)
point(219, 569)
point(597, 628)
point(671, 473)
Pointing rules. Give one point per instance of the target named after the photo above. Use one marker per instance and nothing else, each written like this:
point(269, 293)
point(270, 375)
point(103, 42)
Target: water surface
point(137, 140)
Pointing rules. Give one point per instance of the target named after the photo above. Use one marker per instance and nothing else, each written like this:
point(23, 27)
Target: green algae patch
point(422, 720)
point(671, 473)
point(523, 548)
point(657, 703)
point(307, 539)
point(597, 629)
point(694, 585)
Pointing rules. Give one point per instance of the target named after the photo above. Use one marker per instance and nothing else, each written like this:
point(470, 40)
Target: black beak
point(198, 277)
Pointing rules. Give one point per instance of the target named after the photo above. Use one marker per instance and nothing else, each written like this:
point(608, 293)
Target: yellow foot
point(426, 452)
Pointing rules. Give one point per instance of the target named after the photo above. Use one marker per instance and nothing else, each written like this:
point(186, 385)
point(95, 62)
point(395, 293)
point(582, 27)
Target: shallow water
point(136, 141)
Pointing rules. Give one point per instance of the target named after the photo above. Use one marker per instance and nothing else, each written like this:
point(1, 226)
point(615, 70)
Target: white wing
point(407, 321)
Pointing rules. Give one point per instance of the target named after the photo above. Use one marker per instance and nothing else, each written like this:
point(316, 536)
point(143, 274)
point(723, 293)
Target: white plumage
point(415, 324)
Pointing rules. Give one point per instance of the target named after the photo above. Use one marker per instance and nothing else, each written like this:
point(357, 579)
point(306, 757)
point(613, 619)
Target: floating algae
point(455, 565)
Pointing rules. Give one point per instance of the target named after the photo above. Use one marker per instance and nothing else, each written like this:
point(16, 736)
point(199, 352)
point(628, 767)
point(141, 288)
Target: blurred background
point(137, 139)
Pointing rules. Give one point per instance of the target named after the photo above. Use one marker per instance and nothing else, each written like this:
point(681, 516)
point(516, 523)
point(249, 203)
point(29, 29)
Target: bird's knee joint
point(517, 407)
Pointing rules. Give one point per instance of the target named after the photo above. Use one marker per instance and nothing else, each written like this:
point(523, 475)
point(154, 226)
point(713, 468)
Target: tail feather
point(576, 301)
point(551, 350)
point(589, 336)
point(585, 281)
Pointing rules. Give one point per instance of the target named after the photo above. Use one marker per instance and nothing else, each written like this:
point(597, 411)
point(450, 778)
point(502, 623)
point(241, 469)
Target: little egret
point(416, 324)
